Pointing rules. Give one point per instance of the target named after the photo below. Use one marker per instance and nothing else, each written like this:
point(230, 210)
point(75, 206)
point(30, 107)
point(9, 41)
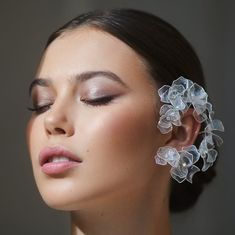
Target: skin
point(118, 188)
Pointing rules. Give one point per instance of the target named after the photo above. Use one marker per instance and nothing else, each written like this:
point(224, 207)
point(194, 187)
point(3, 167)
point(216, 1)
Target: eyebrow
point(81, 77)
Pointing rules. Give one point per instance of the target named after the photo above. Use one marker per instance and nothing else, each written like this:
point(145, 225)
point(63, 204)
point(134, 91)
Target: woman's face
point(94, 134)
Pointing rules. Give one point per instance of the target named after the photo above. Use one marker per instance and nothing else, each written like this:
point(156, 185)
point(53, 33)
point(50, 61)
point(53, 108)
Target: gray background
point(25, 26)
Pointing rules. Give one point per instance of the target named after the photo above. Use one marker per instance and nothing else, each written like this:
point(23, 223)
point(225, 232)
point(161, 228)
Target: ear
point(185, 134)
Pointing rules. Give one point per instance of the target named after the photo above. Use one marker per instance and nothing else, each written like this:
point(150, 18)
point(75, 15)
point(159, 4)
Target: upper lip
point(48, 152)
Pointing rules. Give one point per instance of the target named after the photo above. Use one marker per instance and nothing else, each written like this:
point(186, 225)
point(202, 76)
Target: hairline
point(94, 25)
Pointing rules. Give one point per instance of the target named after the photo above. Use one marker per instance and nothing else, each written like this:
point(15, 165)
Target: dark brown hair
point(167, 55)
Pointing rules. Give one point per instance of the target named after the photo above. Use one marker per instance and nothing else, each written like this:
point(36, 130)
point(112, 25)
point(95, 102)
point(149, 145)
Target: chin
point(62, 202)
point(58, 195)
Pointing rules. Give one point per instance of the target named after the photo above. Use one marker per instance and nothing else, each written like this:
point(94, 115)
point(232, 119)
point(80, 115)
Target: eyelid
point(96, 91)
point(97, 98)
point(38, 109)
point(44, 94)
point(39, 101)
point(99, 101)
point(99, 95)
point(42, 102)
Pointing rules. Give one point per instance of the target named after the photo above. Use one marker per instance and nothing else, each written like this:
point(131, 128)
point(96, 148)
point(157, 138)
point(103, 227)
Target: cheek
point(32, 136)
point(117, 145)
point(35, 136)
point(120, 140)
point(123, 130)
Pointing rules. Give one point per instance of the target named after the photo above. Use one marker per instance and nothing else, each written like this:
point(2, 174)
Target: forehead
point(87, 49)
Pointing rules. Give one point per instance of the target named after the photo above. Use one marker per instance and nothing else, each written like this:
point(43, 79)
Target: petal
point(192, 149)
point(176, 122)
point(175, 91)
point(211, 115)
point(178, 103)
point(206, 144)
point(212, 155)
point(206, 164)
point(159, 160)
point(209, 107)
point(191, 171)
point(200, 117)
point(209, 140)
point(218, 140)
point(169, 154)
point(163, 93)
point(186, 159)
point(173, 156)
point(183, 81)
point(164, 126)
point(200, 101)
point(165, 130)
point(215, 125)
point(164, 121)
point(177, 178)
point(179, 171)
point(197, 94)
point(186, 106)
point(172, 115)
point(203, 148)
point(165, 108)
point(199, 108)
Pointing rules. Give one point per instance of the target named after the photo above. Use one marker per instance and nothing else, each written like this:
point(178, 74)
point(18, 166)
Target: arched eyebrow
point(39, 82)
point(81, 77)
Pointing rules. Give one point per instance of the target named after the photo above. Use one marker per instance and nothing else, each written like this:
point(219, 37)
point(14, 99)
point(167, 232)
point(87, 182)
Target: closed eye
point(38, 109)
point(104, 100)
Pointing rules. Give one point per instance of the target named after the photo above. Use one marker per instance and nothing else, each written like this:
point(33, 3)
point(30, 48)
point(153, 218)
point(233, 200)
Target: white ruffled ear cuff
point(181, 95)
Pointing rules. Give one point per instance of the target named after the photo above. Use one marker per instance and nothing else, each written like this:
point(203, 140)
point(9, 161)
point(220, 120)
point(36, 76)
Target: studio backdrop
point(25, 26)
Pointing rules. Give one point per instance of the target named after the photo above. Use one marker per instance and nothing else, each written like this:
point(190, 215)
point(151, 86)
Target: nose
point(57, 122)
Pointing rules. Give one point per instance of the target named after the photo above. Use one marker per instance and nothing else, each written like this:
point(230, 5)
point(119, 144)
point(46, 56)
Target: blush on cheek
point(126, 131)
point(120, 143)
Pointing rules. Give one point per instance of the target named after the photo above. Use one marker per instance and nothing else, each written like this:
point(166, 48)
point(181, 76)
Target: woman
point(107, 134)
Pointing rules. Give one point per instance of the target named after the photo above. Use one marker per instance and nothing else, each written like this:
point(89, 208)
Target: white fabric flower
point(178, 97)
point(168, 116)
point(182, 162)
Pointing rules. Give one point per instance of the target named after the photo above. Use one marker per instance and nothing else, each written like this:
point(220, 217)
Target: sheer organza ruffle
point(178, 98)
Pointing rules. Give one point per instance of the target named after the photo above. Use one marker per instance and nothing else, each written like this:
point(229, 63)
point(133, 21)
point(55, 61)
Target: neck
point(130, 214)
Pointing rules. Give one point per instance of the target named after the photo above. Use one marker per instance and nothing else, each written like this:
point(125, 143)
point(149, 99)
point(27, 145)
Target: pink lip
point(53, 168)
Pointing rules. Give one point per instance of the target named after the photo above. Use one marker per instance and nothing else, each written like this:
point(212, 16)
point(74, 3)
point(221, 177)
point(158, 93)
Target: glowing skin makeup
point(93, 136)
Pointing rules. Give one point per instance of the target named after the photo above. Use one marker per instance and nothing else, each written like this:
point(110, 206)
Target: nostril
point(56, 123)
point(59, 130)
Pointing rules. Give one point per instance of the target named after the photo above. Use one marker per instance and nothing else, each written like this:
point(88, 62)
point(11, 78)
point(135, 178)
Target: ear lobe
point(185, 134)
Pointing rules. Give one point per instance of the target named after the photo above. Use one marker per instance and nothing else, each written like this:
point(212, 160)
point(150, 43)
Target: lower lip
point(55, 168)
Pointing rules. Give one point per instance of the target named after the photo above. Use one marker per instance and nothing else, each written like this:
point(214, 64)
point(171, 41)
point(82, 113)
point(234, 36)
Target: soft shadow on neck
point(124, 214)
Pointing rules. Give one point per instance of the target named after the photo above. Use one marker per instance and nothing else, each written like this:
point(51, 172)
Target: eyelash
point(93, 102)
point(40, 109)
point(98, 101)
